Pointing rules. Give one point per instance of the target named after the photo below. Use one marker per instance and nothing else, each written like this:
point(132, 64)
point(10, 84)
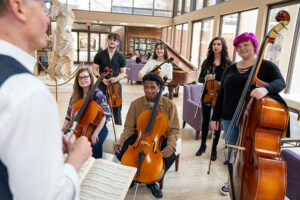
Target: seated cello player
point(84, 81)
point(151, 84)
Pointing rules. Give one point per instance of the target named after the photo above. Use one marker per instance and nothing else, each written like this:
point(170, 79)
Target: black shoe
point(226, 162)
point(155, 190)
point(201, 150)
point(214, 154)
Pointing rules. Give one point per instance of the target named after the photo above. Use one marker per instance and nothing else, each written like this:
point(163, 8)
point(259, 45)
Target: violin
point(256, 169)
point(152, 126)
point(86, 114)
point(113, 98)
point(157, 68)
point(212, 88)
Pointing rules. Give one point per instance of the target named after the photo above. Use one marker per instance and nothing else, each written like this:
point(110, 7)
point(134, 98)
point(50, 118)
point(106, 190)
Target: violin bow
point(195, 115)
point(166, 61)
point(212, 142)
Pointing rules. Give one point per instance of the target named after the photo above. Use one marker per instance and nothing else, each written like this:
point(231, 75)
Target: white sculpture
point(62, 60)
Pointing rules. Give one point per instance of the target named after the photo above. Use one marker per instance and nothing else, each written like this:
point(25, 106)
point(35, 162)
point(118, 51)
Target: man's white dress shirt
point(31, 138)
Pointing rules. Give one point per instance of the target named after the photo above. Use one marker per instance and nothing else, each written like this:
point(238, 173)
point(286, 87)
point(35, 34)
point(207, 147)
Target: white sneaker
point(224, 190)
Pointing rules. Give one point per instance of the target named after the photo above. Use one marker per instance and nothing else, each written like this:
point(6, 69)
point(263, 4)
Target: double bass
point(152, 126)
point(256, 169)
point(86, 114)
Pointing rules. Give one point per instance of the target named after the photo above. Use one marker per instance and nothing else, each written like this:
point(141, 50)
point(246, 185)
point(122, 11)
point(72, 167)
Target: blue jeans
point(230, 139)
point(97, 148)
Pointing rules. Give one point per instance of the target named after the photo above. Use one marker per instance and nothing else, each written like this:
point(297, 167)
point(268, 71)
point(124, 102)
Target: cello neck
point(86, 101)
point(154, 111)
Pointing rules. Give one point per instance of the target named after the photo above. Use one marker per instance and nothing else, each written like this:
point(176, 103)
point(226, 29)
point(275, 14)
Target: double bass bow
point(86, 114)
point(256, 169)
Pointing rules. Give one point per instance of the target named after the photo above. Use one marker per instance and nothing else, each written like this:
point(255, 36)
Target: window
point(100, 5)
point(122, 6)
point(169, 38)
point(163, 8)
point(179, 7)
point(211, 2)
point(199, 4)
point(75, 43)
point(164, 33)
point(77, 4)
point(184, 40)
point(228, 32)
point(196, 43)
point(206, 37)
point(187, 5)
point(286, 48)
point(247, 23)
point(236, 24)
point(177, 40)
point(144, 7)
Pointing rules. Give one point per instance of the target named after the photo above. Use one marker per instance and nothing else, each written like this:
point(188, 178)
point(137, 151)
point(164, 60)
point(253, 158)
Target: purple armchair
point(191, 96)
point(128, 66)
point(133, 74)
point(292, 160)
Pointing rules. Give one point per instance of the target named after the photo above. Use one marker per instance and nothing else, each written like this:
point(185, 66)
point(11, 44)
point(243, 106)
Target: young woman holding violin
point(84, 81)
point(167, 109)
point(160, 56)
point(211, 73)
point(233, 82)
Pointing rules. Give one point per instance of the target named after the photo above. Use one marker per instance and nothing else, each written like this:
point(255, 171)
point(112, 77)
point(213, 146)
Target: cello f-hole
point(250, 151)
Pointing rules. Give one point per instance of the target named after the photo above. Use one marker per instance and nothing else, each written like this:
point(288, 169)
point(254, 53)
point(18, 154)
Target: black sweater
point(232, 85)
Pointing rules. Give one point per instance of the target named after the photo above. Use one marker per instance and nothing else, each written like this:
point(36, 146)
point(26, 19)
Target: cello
point(86, 114)
point(152, 126)
point(256, 169)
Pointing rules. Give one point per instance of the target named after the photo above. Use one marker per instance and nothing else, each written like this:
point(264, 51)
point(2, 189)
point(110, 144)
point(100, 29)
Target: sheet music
point(106, 180)
point(85, 168)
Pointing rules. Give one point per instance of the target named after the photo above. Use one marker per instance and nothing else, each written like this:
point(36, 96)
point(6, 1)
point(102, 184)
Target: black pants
point(206, 113)
point(168, 161)
point(116, 110)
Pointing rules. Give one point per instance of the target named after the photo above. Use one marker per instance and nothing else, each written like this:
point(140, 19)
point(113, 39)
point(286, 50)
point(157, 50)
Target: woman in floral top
point(83, 83)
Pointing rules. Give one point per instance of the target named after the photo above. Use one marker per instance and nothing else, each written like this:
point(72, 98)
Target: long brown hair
point(208, 62)
point(164, 48)
point(77, 90)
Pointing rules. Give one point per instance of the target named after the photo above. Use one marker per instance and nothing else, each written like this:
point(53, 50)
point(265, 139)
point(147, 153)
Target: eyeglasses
point(80, 78)
point(46, 7)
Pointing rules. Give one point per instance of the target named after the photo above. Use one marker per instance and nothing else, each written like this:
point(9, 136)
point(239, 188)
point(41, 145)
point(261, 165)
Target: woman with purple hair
point(233, 81)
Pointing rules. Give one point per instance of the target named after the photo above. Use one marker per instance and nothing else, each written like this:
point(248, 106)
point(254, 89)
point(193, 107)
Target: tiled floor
point(191, 181)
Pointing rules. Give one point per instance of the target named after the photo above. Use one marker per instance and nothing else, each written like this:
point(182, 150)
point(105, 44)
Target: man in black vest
point(31, 146)
point(113, 59)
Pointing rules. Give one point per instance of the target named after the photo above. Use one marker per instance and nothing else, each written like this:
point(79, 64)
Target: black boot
point(155, 190)
point(201, 149)
point(214, 153)
point(215, 143)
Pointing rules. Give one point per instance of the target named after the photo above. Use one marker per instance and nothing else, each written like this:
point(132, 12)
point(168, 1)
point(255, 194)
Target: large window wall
point(285, 52)
point(162, 8)
point(180, 39)
point(89, 40)
point(202, 35)
point(166, 34)
point(235, 24)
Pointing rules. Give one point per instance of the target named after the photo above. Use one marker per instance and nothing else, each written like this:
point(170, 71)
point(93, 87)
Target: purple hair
point(245, 37)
